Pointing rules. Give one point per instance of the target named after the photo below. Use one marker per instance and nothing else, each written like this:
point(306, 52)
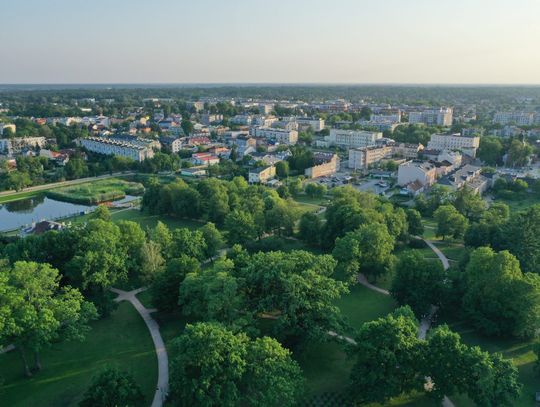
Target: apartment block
point(281, 136)
point(466, 144)
point(417, 171)
point(432, 117)
point(122, 148)
point(519, 118)
point(324, 164)
point(362, 158)
point(352, 138)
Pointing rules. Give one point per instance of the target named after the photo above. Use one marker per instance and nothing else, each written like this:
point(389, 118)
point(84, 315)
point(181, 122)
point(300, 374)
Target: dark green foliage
point(113, 388)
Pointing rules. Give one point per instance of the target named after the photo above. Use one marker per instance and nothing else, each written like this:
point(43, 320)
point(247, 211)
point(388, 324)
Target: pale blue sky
point(341, 41)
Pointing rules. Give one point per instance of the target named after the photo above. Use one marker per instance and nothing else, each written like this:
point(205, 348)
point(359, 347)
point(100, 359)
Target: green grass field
point(20, 195)
point(98, 191)
point(121, 340)
point(519, 204)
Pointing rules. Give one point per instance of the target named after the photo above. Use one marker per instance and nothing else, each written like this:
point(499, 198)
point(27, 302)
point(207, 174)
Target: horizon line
point(268, 84)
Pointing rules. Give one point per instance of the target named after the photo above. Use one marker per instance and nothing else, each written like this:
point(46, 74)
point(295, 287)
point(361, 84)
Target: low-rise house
point(205, 159)
point(470, 176)
point(58, 157)
point(193, 172)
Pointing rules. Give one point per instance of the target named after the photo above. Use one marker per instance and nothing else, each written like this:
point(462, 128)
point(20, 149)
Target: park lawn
point(363, 305)
point(143, 219)
point(121, 339)
point(520, 351)
point(519, 204)
point(303, 198)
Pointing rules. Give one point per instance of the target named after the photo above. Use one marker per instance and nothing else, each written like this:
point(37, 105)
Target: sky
point(262, 41)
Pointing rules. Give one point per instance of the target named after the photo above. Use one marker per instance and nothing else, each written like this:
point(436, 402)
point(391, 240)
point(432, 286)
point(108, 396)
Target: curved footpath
point(161, 352)
point(425, 323)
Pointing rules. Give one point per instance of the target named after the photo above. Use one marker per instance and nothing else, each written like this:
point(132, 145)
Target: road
point(45, 187)
point(161, 352)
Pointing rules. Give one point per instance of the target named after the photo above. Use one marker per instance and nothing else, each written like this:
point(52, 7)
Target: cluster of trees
point(245, 211)
point(391, 360)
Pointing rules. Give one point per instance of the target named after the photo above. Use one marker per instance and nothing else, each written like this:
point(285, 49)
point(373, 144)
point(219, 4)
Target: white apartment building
point(407, 150)
point(416, 171)
point(519, 118)
point(439, 117)
point(281, 136)
point(121, 148)
point(243, 119)
point(352, 138)
point(385, 117)
point(362, 158)
point(466, 144)
point(316, 124)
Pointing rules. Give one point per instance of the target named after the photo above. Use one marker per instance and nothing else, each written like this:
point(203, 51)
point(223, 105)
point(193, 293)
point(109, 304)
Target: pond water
point(24, 212)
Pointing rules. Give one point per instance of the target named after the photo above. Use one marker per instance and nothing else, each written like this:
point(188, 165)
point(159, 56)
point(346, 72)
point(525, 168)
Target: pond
point(24, 212)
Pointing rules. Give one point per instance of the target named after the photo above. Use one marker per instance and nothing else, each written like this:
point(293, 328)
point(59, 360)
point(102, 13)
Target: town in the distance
point(269, 245)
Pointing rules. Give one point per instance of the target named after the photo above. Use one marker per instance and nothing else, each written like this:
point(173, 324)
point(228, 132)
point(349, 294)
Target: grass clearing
point(121, 340)
point(92, 193)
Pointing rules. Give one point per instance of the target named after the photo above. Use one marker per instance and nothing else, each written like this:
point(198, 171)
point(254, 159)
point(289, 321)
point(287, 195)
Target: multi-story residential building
point(174, 144)
point(408, 151)
point(386, 116)
point(264, 121)
point(363, 157)
point(261, 175)
point(242, 119)
point(439, 117)
point(352, 138)
point(107, 146)
point(423, 173)
point(281, 136)
point(285, 124)
point(519, 118)
point(265, 108)
point(317, 124)
point(324, 164)
point(466, 144)
point(198, 106)
point(208, 118)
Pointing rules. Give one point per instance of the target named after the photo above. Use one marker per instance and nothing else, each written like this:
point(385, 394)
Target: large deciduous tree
point(35, 311)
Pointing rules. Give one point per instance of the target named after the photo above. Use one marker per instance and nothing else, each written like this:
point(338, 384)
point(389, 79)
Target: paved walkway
point(7, 349)
point(363, 280)
point(161, 351)
point(440, 255)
